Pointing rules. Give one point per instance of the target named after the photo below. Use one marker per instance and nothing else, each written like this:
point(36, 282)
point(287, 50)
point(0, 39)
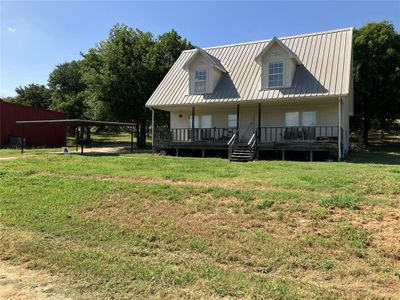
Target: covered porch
point(308, 125)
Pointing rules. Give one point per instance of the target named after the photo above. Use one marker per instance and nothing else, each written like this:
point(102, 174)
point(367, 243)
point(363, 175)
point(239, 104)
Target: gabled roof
point(215, 62)
point(326, 61)
point(275, 40)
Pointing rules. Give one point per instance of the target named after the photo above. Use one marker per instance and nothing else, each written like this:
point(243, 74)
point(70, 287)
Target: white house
point(285, 94)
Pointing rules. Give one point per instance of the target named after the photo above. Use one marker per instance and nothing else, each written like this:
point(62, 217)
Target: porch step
point(242, 153)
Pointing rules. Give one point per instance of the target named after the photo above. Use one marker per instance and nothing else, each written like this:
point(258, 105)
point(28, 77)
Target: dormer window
point(275, 74)
point(278, 65)
point(204, 72)
point(200, 81)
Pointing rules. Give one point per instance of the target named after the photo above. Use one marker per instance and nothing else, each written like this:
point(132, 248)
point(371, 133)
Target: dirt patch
point(18, 282)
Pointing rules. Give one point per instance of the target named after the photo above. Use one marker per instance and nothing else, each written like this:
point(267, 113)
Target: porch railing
point(322, 134)
point(201, 135)
point(233, 142)
point(299, 133)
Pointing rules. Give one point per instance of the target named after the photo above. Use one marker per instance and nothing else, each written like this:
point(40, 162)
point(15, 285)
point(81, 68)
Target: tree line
point(113, 80)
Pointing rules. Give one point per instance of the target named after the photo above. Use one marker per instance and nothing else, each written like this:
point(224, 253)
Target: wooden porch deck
point(312, 138)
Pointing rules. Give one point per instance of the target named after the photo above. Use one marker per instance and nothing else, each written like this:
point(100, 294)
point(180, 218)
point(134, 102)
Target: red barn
point(35, 135)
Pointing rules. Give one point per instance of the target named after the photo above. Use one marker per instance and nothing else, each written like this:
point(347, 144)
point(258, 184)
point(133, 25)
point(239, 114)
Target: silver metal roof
point(326, 59)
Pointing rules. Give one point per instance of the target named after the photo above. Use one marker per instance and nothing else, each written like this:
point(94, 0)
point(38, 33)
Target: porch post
point(259, 122)
point(237, 117)
point(152, 129)
point(192, 123)
point(340, 130)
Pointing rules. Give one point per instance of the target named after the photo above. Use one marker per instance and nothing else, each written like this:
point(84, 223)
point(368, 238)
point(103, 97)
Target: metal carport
point(76, 123)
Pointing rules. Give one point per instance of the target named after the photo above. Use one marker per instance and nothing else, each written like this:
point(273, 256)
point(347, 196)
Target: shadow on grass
point(388, 155)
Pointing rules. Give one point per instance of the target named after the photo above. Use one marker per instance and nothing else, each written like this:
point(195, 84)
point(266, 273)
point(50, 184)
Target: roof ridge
point(281, 38)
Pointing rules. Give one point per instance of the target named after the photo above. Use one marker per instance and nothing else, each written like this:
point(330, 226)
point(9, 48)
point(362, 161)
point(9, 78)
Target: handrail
point(253, 143)
point(252, 139)
point(232, 139)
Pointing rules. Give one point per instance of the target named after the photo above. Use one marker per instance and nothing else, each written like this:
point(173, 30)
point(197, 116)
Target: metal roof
point(75, 122)
point(326, 59)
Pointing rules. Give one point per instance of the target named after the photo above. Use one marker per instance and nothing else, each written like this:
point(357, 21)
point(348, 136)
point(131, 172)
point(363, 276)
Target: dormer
point(205, 71)
point(278, 65)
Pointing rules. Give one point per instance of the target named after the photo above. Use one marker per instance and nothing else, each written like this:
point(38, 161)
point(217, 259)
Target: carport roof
point(75, 123)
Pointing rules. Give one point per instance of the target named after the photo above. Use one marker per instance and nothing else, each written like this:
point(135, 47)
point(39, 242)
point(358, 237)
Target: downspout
point(152, 128)
point(259, 122)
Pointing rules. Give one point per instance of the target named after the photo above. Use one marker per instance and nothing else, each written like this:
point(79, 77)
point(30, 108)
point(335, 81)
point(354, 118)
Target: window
point(292, 119)
point(305, 118)
point(200, 81)
point(308, 118)
point(275, 74)
point(206, 121)
point(232, 121)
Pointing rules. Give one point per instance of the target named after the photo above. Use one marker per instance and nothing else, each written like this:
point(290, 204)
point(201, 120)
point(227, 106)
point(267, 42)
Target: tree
point(68, 90)
point(122, 72)
point(163, 55)
point(376, 75)
point(35, 95)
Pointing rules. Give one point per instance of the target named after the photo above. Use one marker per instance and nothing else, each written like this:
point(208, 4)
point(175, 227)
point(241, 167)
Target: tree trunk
point(141, 134)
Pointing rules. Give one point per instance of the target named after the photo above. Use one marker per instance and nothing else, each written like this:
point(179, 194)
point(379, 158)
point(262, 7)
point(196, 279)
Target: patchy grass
point(143, 226)
point(340, 201)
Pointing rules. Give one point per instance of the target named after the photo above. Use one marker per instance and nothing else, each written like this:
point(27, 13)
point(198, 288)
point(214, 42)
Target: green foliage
point(376, 75)
point(68, 89)
point(122, 72)
point(35, 95)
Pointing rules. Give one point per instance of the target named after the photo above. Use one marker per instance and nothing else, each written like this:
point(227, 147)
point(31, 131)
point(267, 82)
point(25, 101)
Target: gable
point(277, 53)
point(324, 71)
point(275, 45)
point(200, 54)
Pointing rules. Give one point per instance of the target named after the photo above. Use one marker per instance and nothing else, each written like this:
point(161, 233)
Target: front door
point(246, 123)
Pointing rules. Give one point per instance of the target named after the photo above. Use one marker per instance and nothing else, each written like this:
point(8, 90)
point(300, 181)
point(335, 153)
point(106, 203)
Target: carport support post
point(132, 139)
point(22, 139)
point(76, 138)
point(82, 128)
point(311, 155)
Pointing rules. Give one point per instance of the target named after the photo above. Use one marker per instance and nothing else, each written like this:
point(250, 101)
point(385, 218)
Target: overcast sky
point(35, 36)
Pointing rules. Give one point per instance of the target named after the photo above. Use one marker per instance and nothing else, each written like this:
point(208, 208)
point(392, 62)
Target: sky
point(35, 36)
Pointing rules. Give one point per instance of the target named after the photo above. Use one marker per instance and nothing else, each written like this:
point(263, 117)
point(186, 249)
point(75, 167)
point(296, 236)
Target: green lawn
point(145, 226)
